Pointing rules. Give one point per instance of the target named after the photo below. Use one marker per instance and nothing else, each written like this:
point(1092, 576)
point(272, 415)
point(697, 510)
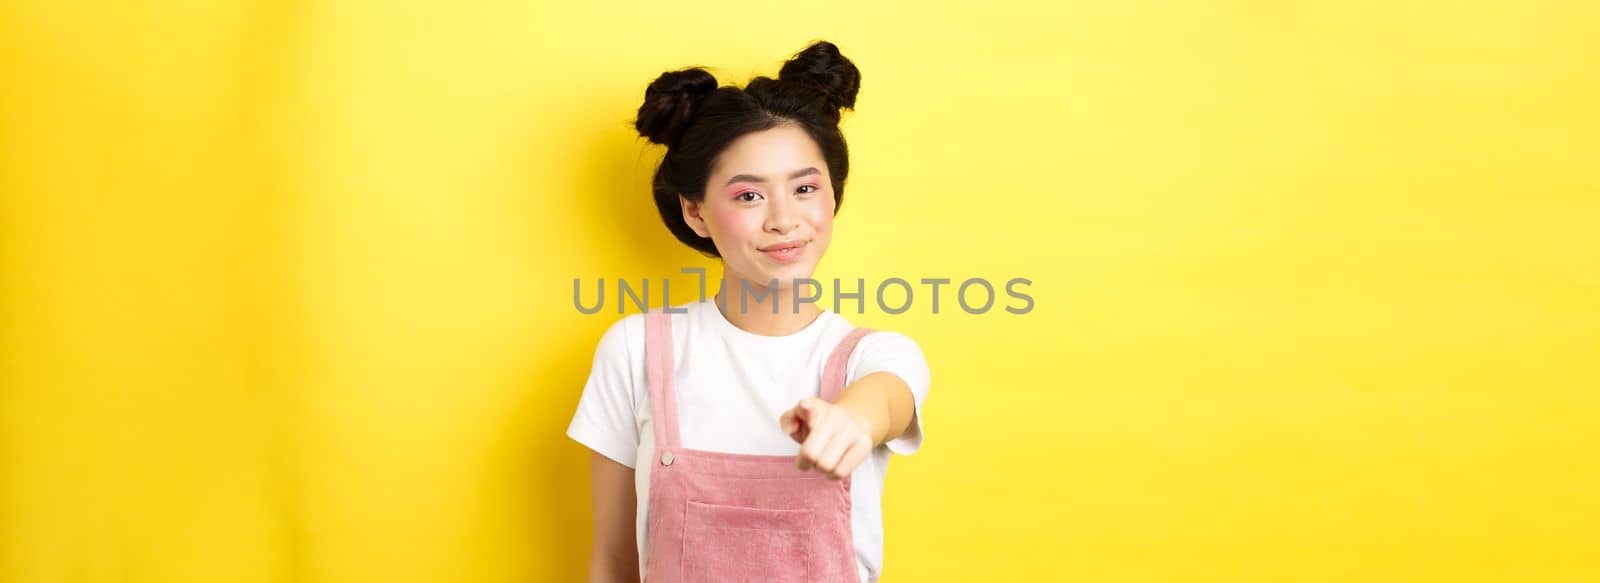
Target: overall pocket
point(739, 543)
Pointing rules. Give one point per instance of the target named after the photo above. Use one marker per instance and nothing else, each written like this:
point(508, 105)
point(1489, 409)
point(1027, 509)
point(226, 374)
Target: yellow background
point(285, 287)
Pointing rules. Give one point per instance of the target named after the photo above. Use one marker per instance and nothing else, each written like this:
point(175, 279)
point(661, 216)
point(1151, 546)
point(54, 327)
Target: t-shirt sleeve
point(605, 420)
point(897, 353)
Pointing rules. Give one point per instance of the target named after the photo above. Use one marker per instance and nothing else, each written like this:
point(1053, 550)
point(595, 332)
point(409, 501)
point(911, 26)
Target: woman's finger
point(811, 449)
point(790, 423)
point(841, 440)
point(859, 450)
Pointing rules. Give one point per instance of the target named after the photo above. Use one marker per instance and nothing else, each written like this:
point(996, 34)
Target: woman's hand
point(833, 439)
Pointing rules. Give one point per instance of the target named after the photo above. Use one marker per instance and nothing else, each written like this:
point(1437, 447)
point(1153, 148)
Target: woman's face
point(768, 207)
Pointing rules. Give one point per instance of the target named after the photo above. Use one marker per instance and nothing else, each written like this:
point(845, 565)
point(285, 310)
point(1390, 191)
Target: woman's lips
point(785, 252)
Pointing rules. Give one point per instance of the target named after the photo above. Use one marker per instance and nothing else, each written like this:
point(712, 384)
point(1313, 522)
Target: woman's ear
point(691, 215)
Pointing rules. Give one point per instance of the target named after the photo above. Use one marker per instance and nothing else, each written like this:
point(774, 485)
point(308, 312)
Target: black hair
point(695, 119)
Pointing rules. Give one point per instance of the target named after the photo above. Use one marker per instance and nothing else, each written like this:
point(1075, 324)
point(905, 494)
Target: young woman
point(745, 437)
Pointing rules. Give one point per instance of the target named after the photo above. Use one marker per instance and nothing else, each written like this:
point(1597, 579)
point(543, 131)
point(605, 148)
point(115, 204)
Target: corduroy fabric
point(724, 517)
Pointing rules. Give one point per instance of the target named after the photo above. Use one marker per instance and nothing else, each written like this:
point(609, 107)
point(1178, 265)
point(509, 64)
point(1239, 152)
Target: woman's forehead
point(774, 154)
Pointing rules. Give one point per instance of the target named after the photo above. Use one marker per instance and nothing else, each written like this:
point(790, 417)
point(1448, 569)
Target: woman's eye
point(747, 196)
point(803, 188)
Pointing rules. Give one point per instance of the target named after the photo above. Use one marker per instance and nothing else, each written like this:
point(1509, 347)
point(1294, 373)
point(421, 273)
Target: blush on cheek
point(820, 216)
point(736, 224)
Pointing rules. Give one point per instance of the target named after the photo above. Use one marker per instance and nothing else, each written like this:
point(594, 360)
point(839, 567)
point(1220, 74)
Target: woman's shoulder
point(875, 336)
point(889, 341)
point(882, 344)
point(621, 340)
point(877, 345)
point(625, 336)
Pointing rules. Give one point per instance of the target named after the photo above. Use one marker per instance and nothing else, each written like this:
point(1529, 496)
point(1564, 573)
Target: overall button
point(666, 458)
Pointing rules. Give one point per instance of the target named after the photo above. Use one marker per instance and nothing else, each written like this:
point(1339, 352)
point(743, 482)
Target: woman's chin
point(786, 275)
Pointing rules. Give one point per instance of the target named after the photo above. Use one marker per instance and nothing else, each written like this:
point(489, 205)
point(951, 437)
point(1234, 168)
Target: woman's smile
point(786, 252)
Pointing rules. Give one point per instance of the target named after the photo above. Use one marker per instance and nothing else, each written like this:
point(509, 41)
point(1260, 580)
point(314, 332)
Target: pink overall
point(726, 517)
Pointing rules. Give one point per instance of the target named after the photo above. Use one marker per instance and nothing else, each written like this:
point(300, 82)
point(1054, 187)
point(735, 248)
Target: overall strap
point(659, 371)
point(833, 373)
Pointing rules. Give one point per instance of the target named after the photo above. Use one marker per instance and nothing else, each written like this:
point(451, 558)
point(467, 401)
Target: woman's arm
point(884, 400)
point(616, 556)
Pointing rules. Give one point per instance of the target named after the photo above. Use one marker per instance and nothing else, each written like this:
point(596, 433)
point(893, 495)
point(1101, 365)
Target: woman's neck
point(763, 311)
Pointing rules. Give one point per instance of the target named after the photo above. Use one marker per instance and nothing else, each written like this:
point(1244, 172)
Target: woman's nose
point(782, 217)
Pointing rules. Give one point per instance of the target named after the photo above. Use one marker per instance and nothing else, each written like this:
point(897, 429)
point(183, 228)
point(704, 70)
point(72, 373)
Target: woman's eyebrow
point(807, 171)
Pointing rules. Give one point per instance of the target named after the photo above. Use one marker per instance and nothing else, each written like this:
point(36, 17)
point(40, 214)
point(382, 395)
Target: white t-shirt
point(732, 386)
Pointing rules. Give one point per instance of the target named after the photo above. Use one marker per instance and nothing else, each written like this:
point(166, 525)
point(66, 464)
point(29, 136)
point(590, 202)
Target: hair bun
point(670, 103)
point(821, 67)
